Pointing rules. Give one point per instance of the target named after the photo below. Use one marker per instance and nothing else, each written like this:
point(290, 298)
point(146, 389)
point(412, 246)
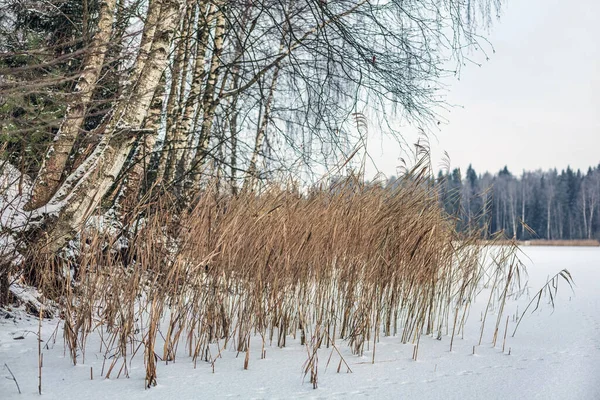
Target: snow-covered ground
point(554, 355)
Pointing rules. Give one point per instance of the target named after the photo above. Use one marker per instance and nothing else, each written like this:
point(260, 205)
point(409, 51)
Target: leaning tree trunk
point(150, 25)
point(84, 189)
point(137, 182)
point(54, 163)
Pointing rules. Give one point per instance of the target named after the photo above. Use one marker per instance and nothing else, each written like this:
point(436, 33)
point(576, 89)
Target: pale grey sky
point(534, 104)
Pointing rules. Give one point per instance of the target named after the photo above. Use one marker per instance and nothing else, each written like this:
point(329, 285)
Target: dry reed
point(342, 264)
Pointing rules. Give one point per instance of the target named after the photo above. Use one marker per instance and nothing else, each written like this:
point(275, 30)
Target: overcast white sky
point(534, 104)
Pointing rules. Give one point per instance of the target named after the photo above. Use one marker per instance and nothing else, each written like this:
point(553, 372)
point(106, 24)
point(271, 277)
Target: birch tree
point(49, 176)
point(251, 86)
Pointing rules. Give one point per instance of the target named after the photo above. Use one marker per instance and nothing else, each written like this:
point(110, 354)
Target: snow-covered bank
point(554, 355)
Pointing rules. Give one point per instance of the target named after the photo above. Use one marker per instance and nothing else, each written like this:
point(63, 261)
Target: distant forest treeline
point(552, 204)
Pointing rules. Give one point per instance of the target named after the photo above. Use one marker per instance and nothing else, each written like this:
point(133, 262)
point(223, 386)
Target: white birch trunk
point(54, 163)
point(181, 154)
point(209, 102)
point(83, 191)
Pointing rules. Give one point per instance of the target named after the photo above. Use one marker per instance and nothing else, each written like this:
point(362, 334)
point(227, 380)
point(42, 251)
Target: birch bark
point(84, 189)
point(49, 176)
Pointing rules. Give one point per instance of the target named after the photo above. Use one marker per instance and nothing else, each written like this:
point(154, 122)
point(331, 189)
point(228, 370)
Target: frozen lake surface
point(554, 355)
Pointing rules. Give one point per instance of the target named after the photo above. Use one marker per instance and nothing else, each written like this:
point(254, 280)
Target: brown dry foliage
point(342, 264)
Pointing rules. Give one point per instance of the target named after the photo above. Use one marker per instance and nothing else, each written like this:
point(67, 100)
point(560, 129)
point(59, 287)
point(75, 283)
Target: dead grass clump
point(344, 264)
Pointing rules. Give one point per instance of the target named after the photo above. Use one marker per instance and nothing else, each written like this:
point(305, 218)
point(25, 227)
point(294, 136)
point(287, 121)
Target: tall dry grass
point(337, 266)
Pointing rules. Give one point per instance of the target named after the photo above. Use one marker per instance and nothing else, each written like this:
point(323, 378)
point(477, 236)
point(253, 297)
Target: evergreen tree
point(538, 205)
